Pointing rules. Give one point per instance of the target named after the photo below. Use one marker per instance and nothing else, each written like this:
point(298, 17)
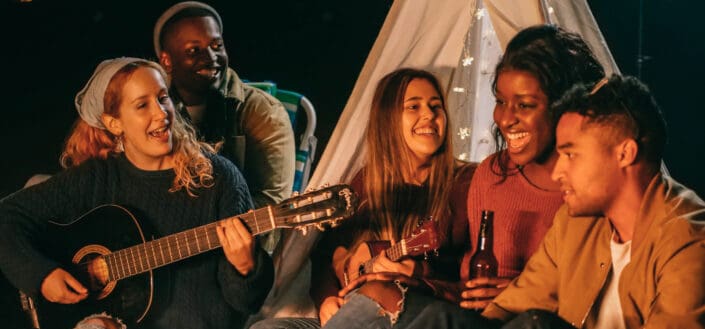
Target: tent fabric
point(576, 16)
point(458, 40)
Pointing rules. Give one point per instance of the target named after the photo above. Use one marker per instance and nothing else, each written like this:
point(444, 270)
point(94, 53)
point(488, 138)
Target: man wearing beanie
point(253, 125)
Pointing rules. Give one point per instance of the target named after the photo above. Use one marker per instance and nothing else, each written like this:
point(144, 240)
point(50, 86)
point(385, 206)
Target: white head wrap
point(89, 101)
point(172, 11)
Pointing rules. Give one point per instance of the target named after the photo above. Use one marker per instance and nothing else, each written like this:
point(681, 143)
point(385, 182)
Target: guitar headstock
point(423, 239)
point(326, 206)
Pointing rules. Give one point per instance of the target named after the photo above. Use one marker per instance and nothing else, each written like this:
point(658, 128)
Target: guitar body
point(109, 252)
point(101, 231)
point(355, 264)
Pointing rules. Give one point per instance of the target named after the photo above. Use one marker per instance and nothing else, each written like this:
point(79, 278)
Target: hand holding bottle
point(484, 284)
point(479, 292)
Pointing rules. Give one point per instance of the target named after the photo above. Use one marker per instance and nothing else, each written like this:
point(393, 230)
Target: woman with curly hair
point(129, 148)
point(539, 64)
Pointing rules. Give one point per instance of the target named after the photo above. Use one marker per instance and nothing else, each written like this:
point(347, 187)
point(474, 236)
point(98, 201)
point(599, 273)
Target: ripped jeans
point(418, 311)
point(374, 305)
point(359, 311)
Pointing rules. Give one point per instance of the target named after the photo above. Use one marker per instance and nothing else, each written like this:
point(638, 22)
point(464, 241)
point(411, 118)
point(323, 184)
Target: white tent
point(458, 40)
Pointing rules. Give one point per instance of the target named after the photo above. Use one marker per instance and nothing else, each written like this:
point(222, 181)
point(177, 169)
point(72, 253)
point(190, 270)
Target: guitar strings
point(395, 252)
point(120, 265)
point(138, 259)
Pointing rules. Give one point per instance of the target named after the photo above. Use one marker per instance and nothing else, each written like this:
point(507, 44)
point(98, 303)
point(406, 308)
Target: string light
point(480, 13)
point(464, 132)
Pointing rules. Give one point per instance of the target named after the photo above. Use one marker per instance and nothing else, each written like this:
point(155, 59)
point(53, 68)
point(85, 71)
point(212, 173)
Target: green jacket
point(663, 286)
point(258, 137)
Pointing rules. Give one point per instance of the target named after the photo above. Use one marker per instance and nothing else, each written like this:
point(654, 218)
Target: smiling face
point(521, 114)
point(423, 120)
point(194, 55)
point(144, 121)
point(587, 167)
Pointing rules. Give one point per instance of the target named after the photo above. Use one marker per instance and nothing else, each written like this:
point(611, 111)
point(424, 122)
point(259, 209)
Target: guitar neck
point(173, 248)
point(394, 253)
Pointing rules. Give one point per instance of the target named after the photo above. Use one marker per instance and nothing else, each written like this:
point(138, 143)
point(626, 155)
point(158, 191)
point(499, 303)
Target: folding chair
point(306, 141)
point(296, 105)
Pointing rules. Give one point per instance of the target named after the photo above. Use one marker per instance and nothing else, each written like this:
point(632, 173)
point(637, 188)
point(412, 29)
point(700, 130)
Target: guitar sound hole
point(92, 271)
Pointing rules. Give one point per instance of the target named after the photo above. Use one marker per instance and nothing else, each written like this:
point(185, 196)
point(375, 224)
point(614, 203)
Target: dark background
point(50, 48)
point(315, 47)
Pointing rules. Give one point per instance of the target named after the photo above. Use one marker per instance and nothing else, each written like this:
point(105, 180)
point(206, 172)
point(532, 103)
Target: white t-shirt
point(610, 314)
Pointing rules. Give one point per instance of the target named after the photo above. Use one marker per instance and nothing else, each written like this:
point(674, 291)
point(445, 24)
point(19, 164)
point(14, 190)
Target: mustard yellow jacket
point(663, 286)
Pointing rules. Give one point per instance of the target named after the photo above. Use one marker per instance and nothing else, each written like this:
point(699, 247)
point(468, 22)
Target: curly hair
point(624, 107)
point(557, 59)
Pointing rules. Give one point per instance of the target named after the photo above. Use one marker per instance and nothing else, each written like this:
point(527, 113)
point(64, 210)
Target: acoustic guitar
point(423, 239)
point(116, 264)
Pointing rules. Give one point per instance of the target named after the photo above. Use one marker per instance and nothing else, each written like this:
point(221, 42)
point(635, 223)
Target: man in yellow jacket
point(627, 249)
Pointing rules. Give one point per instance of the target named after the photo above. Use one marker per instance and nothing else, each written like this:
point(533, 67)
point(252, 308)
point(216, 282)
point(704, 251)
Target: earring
point(118, 144)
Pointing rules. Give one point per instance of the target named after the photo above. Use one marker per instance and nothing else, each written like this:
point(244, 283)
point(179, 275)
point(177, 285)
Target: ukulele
point(422, 240)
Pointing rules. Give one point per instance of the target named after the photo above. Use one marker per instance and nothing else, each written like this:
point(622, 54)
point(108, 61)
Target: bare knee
point(387, 294)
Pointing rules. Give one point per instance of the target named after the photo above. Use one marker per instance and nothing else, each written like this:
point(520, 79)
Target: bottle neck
point(482, 244)
point(484, 240)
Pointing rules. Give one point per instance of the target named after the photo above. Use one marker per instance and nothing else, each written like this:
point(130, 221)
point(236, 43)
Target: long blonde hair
point(389, 157)
point(193, 169)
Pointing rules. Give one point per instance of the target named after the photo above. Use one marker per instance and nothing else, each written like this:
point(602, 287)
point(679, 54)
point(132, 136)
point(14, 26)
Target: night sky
point(314, 47)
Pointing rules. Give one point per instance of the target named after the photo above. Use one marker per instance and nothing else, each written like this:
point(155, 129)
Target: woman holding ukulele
point(410, 176)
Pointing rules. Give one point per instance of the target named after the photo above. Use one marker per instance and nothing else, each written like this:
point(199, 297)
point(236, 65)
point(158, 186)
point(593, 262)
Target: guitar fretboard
point(394, 253)
point(172, 248)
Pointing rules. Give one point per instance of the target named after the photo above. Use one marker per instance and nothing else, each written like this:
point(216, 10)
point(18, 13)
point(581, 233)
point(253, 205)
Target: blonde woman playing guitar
point(130, 148)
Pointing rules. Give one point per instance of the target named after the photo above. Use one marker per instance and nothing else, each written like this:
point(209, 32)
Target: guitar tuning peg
point(335, 223)
point(295, 193)
point(320, 227)
point(435, 252)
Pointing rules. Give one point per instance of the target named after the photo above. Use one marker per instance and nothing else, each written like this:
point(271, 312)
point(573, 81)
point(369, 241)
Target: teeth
point(158, 132)
point(420, 131)
point(209, 72)
point(517, 141)
point(517, 135)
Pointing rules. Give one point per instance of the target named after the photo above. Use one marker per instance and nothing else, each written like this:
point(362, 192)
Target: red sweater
point(522, 215)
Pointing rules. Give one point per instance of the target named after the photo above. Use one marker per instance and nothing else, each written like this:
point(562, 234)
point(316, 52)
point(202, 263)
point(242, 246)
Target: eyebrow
point(148, 95)
point(416, 98)
point(525, 94)
point(139, 99)
point(565, 146)
point(532, 96)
